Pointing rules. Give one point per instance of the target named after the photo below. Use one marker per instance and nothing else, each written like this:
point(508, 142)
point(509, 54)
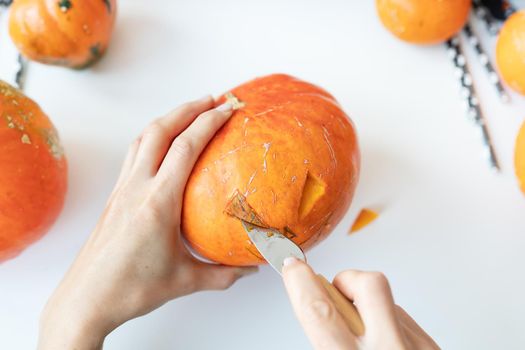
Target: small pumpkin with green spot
point(71, 33)
point(33, 172)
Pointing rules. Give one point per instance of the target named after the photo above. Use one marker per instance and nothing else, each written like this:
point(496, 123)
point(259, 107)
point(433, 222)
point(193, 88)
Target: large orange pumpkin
point(423, 21)
point(33, 172)
point(519, 158)
point(510, 52)
point(71, 33)
point(287, 159)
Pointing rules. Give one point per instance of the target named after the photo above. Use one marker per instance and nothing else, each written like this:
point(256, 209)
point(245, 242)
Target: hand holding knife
point(275, 248)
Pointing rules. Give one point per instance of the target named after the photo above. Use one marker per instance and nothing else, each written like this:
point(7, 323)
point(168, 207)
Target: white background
point(450, 236)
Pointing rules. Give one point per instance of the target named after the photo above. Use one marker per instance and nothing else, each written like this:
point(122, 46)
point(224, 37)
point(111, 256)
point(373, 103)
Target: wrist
point(63, 327)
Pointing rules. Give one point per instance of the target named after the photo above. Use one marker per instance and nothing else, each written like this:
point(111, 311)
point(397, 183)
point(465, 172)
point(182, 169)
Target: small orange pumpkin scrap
point(510, 52)
point(365, 218)
point(33, 172)
point(70, 33)
point(423, 21)
point(519, 158)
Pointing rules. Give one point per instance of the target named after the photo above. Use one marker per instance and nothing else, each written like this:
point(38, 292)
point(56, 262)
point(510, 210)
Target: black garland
point(483, 58)
point(492, 13)
point(471, 101)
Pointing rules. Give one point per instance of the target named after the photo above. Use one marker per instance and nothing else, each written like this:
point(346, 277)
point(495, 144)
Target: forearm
point(63, 332)
point(67, 324)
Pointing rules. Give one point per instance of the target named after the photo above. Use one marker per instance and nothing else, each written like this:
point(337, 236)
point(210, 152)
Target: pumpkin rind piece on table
point(71, 33)
point(519, 158)
point(510, 52)
point(423, 21)
point(287, 159)
point(33, 172)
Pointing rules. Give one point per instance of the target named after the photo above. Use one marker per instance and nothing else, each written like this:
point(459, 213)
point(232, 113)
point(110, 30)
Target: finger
point(218, 277)
point(371, 294)
point(187, 147)
point(318, 316)
point(157, 137)
point(414, 329)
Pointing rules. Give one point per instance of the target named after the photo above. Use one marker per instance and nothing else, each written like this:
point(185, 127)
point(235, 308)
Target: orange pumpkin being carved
point(71, 33)
point(287, 159)
point(33, 172)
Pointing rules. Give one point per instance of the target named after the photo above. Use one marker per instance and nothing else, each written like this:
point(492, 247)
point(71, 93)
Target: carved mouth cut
point(239, 208)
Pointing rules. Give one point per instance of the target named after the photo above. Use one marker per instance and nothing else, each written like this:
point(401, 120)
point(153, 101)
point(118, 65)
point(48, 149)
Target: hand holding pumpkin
point(135, 260)
point(387, 326)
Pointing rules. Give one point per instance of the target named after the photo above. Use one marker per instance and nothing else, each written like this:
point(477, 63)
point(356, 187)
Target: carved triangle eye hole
point(313, 190)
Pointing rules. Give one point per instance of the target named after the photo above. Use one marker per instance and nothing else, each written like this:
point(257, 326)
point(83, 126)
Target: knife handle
point(344, 306)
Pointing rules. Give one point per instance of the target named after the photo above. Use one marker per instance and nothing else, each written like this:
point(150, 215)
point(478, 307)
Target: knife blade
point(275, 247)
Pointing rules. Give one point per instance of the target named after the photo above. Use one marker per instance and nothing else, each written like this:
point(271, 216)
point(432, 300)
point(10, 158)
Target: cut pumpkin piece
point(313, 190)
point(365, 217)
point(239, 208)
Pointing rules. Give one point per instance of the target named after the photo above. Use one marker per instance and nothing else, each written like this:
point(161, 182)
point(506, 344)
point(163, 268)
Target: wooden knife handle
point(345, 307)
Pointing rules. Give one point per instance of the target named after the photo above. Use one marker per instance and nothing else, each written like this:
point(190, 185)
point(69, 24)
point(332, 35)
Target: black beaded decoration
point(483, 58)
point(471, 101)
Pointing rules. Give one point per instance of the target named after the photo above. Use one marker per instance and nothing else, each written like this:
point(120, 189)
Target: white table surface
point(450, 236)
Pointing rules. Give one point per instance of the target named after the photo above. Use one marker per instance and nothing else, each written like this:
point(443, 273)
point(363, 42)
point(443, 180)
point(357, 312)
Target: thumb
point(218, 277)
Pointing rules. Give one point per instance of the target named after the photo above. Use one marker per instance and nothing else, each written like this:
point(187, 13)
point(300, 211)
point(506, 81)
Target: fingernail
point(290, 261)
point(225, 107)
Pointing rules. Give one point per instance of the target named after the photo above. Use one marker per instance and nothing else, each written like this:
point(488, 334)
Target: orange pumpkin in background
point(519, 158)
point(71, 33)
point(33, 172)
point(288, 159)
point(510, 52)
point(423, 21)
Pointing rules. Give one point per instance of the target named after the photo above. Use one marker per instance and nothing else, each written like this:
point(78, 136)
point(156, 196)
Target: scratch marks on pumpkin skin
point(229, 153)
point(247, 189)
point(226, 177)
point(326, 136)
point(251, 178)
point(271, 109)
point(298, 122)
point(266, 146)
point(244, 126)
point(343, 125)
point(274, 196)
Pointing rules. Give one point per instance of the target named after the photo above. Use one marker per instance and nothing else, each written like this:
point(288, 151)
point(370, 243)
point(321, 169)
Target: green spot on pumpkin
point(65, 5)
point(108, 4)
point(95, 53)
